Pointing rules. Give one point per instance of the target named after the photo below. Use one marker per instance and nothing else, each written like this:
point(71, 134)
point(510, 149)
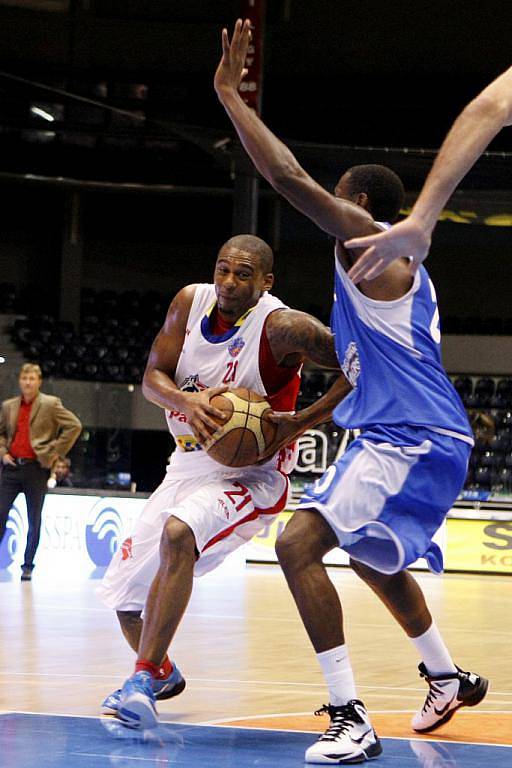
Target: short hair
point(384, 188)
point(256, 246)
point(64, 460)
point(31, 368)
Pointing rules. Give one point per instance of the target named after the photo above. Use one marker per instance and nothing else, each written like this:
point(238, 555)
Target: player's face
point(239, 281)
point(30, 384)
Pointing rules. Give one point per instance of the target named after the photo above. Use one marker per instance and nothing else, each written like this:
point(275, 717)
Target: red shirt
point(21, 447)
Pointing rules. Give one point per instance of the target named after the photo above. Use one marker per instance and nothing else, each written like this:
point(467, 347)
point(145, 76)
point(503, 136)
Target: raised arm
point(469, 136)
point(272, 158)
point(158, 385)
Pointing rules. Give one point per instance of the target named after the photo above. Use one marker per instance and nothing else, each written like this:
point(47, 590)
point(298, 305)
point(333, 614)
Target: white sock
point(338, 675)
point(434, 653)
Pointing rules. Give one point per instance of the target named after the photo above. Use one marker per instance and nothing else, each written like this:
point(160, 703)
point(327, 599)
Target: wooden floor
point(246, 656)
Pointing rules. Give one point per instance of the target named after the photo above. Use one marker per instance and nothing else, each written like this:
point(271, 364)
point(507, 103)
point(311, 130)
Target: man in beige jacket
point(35, 430)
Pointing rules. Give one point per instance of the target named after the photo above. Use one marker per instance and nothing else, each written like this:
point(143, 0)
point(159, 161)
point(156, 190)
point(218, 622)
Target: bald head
point(256, 247)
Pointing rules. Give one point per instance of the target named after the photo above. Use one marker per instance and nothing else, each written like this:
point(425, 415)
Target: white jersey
point(206, 360)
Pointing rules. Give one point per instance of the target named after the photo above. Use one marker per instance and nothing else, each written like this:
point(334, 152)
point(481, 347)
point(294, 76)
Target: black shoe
point(26, 574)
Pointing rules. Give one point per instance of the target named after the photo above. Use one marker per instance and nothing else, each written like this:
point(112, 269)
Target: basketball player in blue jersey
point(385, 498)
point(231, 332)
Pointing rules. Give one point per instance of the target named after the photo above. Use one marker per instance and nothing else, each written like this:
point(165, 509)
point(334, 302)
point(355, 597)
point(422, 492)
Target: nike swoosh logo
point(361, 738)
point(444, 709)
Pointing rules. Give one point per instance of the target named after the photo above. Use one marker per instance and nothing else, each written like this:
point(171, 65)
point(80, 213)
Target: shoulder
point(290, 330)
point(285, 318)
point(12, 401)
point(185, 296)
point(180, 306)
point(49, 400)
point(278, 320)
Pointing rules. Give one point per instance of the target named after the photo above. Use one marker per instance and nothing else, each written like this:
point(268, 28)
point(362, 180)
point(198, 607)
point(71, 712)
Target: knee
point(131, 618)
point(295, 551)
point(178, 538)
point(286, 548)
point(367, 574)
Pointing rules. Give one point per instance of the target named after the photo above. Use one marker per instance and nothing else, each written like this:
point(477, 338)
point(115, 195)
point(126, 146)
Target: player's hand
point(199, 412)
point(8, 459)
point(289, 428)
point(232, 69)
point(407, 238)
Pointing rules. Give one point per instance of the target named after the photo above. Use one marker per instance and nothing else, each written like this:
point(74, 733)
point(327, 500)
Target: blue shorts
point(388, 494)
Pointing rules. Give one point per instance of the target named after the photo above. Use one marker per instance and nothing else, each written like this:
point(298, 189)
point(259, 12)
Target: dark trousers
point(30, 479)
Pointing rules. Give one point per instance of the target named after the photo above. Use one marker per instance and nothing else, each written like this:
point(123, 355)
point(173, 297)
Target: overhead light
point(42, 113)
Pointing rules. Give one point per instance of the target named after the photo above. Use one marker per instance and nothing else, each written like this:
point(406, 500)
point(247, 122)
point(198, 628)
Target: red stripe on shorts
point(278, 507)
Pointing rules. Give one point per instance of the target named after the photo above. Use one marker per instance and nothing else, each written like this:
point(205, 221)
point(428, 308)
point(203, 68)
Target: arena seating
point(117, 330)
point(112, 344)
point(9, 298)
point(488, 401)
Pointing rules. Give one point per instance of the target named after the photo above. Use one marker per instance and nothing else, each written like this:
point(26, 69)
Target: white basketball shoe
point(349, 739)
point(447, 694)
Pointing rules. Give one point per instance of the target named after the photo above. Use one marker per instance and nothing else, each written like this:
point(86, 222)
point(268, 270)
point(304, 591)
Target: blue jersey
point(390, 353)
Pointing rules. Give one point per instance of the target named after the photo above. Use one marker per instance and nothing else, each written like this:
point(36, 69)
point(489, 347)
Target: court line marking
point(215, 681)
point(153, 760)
point(254, 617)
point(282, 619)
point(223, 720)
point(219, 724)
point(230, 724)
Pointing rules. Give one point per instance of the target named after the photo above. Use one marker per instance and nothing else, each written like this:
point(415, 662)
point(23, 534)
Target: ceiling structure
point(374, 74)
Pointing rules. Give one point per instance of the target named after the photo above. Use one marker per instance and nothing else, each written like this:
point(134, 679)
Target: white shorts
point(222, 513)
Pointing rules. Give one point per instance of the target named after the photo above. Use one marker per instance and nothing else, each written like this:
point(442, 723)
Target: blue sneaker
point(137, 708)
point(165, 688)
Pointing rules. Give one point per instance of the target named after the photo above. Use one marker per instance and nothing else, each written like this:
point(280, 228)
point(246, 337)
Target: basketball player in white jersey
point(232, 333)
point(384, 499)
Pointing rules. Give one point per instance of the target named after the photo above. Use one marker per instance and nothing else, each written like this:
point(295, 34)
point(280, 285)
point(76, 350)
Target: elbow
point(285, 177)
point(491, 107)
point(146, 390)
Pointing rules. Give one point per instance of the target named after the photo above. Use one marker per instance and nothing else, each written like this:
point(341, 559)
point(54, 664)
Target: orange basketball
point(245, 435)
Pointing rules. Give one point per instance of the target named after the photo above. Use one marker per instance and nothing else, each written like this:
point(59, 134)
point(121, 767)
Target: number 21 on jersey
point(229, 378)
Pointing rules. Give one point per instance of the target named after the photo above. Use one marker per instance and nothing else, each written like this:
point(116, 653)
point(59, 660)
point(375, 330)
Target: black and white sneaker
point(447, 694)
point(349, 739)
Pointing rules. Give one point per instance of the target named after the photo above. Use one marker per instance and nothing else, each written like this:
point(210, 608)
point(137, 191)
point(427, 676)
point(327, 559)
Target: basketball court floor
point(253, 682)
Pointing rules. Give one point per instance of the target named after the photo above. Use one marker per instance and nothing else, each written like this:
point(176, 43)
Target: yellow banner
point(479, 545)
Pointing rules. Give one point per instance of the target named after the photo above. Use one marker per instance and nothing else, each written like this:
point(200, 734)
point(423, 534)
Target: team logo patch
point(15, 533)
point(351, 365)
point(103, 534)
point(222, 507)
point(126, 549)
point(192, 384)
point(187, 443)
point(236, 346)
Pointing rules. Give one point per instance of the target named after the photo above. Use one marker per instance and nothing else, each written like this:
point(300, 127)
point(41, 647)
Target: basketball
point(246, 434)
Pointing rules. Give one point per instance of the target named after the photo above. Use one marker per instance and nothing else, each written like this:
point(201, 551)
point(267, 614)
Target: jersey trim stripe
point(278, 507)
point(217, 339)
point(451, 433)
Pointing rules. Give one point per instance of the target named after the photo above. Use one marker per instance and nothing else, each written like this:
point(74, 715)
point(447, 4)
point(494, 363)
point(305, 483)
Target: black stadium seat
point(483, 392)
point(464, 387)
